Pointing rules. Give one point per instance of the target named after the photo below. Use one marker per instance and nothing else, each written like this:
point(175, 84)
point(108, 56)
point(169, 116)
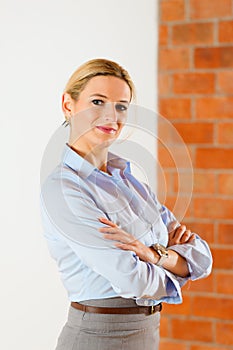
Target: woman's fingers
point(107, 222)
point(191, 238)
point(125, 246)
point(172, 228)
point(179, 233)
point(120, 237)
point(113, 232)
point(115, 237)
point(180, 236)
point(109, 229)
point(185, 236)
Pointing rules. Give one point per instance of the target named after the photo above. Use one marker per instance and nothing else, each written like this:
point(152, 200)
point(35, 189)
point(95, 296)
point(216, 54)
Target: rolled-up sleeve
point(197, 253)
point(198, 257)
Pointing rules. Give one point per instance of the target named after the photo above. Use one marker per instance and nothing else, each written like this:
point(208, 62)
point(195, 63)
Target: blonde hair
point(93, 68)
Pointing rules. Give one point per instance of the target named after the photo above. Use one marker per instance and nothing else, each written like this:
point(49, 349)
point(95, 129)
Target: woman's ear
point(67, 105)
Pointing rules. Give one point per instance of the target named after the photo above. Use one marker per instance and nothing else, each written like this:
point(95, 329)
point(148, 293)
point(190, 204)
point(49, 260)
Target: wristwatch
point(162, 252)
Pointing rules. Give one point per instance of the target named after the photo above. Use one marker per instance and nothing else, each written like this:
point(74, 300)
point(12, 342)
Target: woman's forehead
point(111, 87)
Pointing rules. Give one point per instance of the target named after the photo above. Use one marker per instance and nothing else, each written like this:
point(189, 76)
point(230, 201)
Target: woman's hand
point(179, 235)
point(126, 241)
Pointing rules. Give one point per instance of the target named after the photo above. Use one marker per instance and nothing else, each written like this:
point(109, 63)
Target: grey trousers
point(89, 331)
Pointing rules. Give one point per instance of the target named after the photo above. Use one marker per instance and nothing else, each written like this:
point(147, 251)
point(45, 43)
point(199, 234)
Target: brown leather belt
point(147, 310)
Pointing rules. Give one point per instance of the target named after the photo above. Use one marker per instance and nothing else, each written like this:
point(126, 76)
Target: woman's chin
point(105, 143)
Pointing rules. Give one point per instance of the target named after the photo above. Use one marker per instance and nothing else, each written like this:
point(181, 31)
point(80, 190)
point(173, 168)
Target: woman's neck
point(98, 157)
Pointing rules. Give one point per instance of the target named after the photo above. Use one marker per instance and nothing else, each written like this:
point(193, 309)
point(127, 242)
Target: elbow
point(202, 270)
point(200, 265)
point(209, 264)
point(150, 281)
point(136, 283)
point(209, 267)
point(130, 290)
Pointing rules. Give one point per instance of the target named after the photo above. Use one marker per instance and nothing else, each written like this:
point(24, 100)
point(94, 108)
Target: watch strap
point(161, 260)
point(162, 252)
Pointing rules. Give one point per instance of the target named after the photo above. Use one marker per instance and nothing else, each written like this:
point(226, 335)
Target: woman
point(120, 253)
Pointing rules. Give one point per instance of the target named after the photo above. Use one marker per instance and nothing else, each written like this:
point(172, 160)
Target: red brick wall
point(196, 95)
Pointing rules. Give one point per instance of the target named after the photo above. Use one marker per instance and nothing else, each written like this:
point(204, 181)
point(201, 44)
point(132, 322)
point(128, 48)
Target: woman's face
point(99, 113)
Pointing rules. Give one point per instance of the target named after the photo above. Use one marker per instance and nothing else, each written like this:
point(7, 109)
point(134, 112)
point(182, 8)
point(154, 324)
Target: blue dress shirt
point(74, 196)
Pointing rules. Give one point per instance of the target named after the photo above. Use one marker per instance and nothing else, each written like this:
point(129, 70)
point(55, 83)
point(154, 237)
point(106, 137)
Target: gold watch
point(162, 252)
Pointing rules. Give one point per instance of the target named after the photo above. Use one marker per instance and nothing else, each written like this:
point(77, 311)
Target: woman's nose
point(110, 113)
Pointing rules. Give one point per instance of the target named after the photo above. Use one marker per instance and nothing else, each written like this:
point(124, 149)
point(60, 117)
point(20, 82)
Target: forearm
point(175, 263)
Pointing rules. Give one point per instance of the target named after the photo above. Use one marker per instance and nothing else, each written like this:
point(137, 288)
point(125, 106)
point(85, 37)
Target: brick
point(205, 9)
point(164, 179)
point(192, 33)
point(225, 233)
point(194, 330)
point(164, 131)
point(163, 35)
point(207, 347)
point(215, 158)
point(169, 140)
point(178, 205)
point(171, 345)
point(161, 196)
point(225, 82)
point(174, 156)
point(202, 285)
point(195, 132)
point(214, 107)
point(163, 84)
point(225, 183)
point(204, 182)
point(163, 327)
point(175, 58)
point(175, 108)
point(165, 176)
point(172, 10)
point(225, 133)
point(210, 208)
point(165, 158)
point(181, 309)
point(223, 258)
point(224, 333)
point(205, 230)
point(220, 308)
point(225, 32)
point(224, 283)
point(194, 83)
point(213, 57)
point(183, 182)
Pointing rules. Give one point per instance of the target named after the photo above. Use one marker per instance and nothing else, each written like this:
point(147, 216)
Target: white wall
point(42, 42)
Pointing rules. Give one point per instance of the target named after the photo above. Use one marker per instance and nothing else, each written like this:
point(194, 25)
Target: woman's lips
point(107, 129)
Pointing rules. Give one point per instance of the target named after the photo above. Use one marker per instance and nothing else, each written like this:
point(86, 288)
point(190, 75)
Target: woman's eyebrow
point(99, 95)
point(103, 96)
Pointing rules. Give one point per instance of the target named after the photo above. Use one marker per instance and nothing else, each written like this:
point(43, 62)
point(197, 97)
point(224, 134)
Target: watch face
point(160, 249)
point(162, 252)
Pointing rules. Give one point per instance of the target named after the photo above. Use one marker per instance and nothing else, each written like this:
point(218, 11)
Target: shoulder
point(61, 176)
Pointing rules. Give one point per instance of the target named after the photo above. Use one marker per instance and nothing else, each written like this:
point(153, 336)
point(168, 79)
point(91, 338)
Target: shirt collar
point(84, 168)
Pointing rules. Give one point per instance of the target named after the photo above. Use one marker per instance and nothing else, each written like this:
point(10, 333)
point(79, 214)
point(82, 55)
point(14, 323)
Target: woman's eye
point(120, 107)
point(97, 102)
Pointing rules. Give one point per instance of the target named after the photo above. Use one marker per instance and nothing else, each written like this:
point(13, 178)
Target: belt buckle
point(152, 309)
